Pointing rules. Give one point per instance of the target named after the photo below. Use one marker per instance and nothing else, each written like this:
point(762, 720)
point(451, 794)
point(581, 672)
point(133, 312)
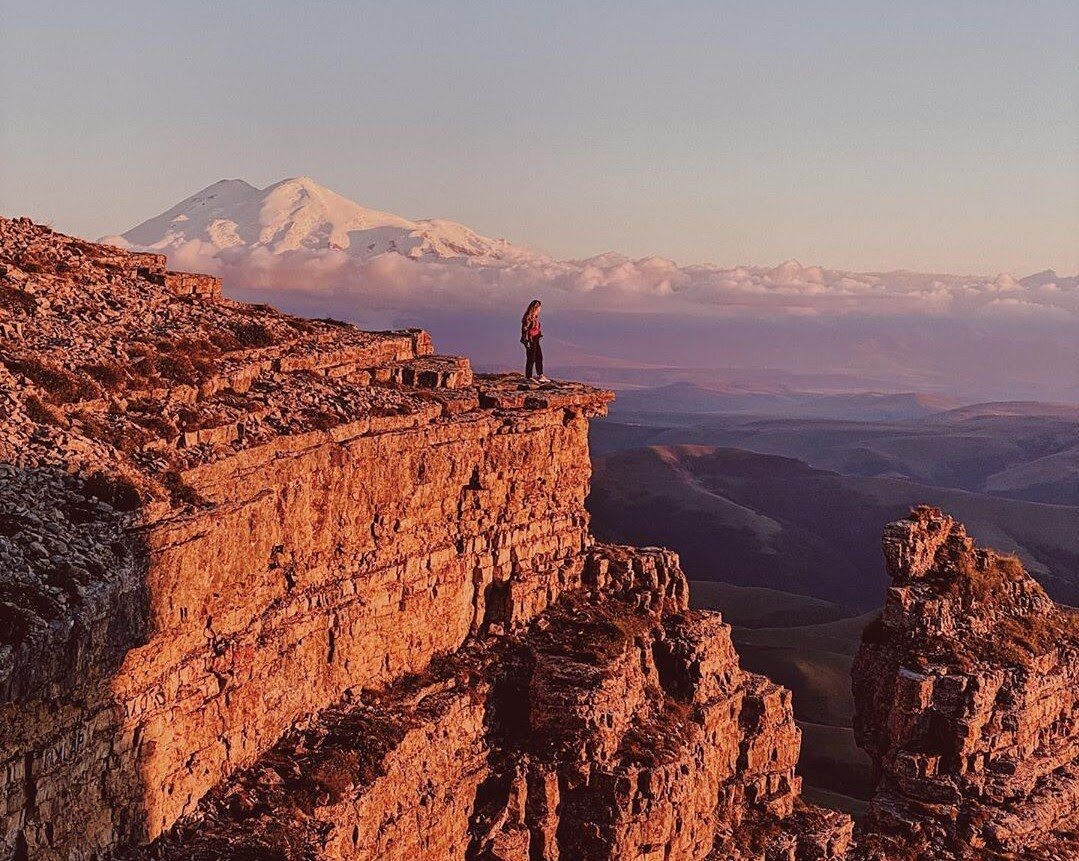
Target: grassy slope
point(814, 662)
point(762, 520)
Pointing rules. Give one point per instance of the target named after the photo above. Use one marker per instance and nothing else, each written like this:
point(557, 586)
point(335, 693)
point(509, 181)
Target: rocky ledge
point(616, 725)
point(277, 587)
point(967, 696)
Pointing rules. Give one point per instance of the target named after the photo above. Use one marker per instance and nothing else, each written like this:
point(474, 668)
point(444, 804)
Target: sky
point(934, 136)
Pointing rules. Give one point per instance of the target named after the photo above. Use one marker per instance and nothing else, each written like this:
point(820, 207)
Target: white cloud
point(612, 281)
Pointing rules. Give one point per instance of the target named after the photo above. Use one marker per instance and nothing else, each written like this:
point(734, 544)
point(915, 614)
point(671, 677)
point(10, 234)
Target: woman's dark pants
point(533, 357)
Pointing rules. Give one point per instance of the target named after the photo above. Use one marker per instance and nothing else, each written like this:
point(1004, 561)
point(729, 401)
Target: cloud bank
point(797, 326)
point(343, 284)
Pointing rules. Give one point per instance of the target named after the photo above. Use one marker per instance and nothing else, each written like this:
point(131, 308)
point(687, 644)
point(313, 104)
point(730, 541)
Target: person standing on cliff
point(531, 332)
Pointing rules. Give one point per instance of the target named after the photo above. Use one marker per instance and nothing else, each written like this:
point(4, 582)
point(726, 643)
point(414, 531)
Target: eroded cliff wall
point(261, 573)
point(329, 571)
point(967, 695)
point(617, 724)
point(279, 588)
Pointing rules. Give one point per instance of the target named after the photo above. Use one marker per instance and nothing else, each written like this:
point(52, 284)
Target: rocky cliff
point(967, 695)
point(277, 588)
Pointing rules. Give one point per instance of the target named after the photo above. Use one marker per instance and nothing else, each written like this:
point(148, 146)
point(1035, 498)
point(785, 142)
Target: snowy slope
point(299, 213)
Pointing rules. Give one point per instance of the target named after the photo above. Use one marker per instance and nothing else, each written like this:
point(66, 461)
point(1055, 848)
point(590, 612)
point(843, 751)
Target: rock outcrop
point(278, 588)
point(967, 696)
point(275, 587)
point(616, 725)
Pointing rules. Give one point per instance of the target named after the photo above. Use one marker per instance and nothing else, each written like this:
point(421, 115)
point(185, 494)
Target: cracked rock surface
point(967, 696)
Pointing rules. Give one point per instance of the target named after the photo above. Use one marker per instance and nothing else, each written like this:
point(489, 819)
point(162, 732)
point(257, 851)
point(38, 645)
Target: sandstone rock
point(279, 588)
point(271, 583)
point(967, 694)
point(279, 585)
point(568, 739)
point(315, 526)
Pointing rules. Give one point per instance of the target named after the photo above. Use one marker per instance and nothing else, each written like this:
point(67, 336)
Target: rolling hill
point(687, 397)
point(1019, 451)
point(753, 519)
point(814, 661)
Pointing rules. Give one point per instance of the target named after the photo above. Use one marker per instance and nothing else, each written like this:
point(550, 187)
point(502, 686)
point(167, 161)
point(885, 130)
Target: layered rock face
point(282, 585)
point(279, 588)
point(616, 725)
point(967, 694)
point(217, 518)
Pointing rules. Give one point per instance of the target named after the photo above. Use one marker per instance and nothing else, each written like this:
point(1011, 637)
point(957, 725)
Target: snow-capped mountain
point(299, 214)
point(296, 237)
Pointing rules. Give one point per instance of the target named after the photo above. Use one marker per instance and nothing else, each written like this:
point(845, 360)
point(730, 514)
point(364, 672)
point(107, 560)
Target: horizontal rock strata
point(967, 694)
point(617, 724)
point(281, 589)
point(295, 500)
point(238, 543)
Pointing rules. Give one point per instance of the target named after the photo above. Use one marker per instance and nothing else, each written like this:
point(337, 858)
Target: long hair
point(531, 312)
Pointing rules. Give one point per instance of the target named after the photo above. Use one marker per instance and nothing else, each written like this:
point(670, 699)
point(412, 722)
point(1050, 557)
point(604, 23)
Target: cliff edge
point(276, 588)
point(281, 588)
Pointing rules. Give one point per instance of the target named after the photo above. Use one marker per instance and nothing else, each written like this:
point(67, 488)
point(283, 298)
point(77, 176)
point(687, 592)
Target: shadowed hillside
point(1024, 451)
point(760, 520)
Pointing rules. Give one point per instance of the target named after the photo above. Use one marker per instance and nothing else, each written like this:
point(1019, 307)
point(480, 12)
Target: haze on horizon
point(866, 136)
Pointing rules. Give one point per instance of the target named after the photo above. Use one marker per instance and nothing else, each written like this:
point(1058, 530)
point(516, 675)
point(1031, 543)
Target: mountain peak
point(301, 182)
point(236, 186)
point(788, 269)
point(298, 213)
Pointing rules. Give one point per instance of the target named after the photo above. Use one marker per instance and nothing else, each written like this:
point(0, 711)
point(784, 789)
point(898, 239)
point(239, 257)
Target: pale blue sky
point(928, 135)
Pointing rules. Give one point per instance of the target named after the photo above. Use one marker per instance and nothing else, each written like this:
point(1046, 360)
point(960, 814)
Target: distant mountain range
point(756, 519)
point(299, 214)
point(1027, 451)
point(688, 398)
